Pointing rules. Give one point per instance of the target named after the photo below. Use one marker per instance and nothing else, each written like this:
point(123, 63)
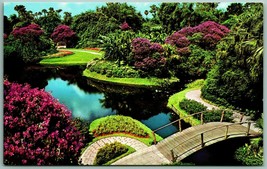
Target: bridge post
point(241, 118)
point(249, 123)
point(202, 140)
point(172, 154)
point(226, 132)
point(180, 126)
point(201, 118)
point(154, 138)
point(222, 116)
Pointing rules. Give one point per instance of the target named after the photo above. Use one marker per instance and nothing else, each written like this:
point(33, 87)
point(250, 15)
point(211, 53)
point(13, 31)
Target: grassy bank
point(142, 82)
point(148, 140)
point(79, 57)
point(175, 99)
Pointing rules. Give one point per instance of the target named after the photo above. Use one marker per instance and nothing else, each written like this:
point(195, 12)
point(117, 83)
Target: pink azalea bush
point(212, 32)
point(148, 56)
point(38, 129)
point(125, 26)
point(63, 33)
point(27, 33)
point(177, 39)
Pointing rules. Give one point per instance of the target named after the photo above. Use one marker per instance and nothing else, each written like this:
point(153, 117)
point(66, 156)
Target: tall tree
point(237, 78)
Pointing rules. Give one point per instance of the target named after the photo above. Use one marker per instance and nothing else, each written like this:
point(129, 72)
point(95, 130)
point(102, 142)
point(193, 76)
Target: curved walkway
point(195, 95)
point(88, 156)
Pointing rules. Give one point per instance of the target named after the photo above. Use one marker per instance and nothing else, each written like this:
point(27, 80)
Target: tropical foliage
point(237, 77)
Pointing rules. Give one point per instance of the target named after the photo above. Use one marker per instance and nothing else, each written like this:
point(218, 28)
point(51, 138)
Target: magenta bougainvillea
point(5, 36)
point(38, 129)
point(141, 46)
point(177, 39)
point(147, 56)
point(125, 26)
point(212, 32)
point(27, 33)
point(156, 47)
point(63, 33)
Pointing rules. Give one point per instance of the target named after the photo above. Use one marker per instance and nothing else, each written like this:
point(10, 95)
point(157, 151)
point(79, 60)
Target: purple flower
point(125, 26)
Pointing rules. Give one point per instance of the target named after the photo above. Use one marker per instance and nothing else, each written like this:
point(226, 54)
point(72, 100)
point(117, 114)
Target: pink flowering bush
point(148, 57)
point(27, 33)
point(5, 36)
point(177, 39)
point(125, 26)
point(212, 32)
point(63, 33)
point(141, 46)
point(38, 129)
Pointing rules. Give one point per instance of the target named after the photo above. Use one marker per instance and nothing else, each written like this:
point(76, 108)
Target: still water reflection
point(90, 106)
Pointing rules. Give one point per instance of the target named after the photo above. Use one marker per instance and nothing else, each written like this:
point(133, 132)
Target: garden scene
point(105, 83)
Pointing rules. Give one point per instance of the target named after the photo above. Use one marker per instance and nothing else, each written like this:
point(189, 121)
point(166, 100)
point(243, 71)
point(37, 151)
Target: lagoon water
point(89, 106)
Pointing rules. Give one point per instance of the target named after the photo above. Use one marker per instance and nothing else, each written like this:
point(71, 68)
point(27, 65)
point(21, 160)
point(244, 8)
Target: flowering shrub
point(37, 128)
point(148, 57)
point(183, 51)
point(27, 33)
point(212, 32)
point(141, 46)
point(125, 26)
point(61, 53)
point(5, 36)
point(156, 47)
point(177, 39)
point(63, 33)
point(96, 49)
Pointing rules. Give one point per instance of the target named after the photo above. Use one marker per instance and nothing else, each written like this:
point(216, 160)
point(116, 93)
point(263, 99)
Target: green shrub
point(215, 115)
point(111, 69)
point(192, 106)
point(109, 152)
point(121, 124)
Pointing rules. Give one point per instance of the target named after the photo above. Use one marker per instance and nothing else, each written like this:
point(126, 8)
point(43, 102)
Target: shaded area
point(219, 154)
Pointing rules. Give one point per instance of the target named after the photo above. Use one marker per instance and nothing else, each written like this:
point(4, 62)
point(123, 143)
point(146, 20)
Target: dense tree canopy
point(237, 78)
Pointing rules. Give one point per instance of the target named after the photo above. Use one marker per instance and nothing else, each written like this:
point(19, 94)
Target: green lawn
point(175, 99)
point(141, 82)
point(80, 57)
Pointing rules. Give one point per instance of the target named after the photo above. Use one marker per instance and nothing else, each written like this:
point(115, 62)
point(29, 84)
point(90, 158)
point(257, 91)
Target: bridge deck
point(189, 141)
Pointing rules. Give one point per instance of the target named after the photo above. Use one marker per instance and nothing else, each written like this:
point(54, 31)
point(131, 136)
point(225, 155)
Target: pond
point(89, 101)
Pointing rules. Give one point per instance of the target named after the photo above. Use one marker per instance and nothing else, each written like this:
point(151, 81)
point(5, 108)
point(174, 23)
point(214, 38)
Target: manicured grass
point(80, 57)
point(175, 99)
point(146, 140)
point(140, 82)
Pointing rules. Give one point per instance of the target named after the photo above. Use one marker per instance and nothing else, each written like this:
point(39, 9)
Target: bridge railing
point(202, 142)
point(190, 115)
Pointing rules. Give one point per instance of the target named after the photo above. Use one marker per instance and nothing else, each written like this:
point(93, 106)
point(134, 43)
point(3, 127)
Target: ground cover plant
point(38, 129)
point(122, 126)
point(109, 152)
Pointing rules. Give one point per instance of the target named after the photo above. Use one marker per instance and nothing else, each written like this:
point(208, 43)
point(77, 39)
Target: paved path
point(195, 95)
point(147, 156)
point(88, 157)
